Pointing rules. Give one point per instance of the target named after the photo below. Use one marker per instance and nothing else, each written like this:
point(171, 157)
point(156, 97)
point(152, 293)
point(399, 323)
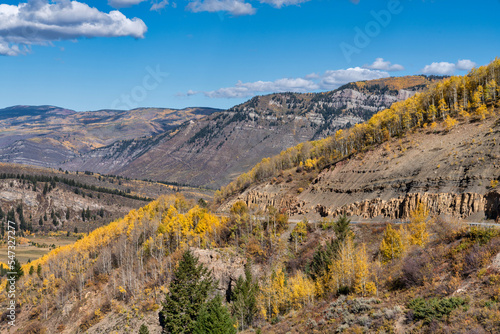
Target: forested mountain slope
point(212, 151)
point(440, 147)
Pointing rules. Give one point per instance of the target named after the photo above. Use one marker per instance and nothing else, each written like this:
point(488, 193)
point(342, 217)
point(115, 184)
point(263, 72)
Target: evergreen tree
point(321, 261)
point(144, 329)
point(39, 271)
point(17, 268)
point(188, 292)
point(244, 299)
point(324, 256)
point(214, 318)
point(342, 228)
point(32, 270)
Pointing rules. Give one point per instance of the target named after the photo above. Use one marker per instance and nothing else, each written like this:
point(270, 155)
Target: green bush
point(434, 308)
point(482, 235)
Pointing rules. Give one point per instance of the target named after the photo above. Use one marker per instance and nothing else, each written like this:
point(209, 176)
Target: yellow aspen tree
point(392, 246)
point(443, 107)
point(431, 113)
point(299, 233)
point(343, 268)
point(450, 122)
point(301, 290)
point(362, 284)
point(418, 225)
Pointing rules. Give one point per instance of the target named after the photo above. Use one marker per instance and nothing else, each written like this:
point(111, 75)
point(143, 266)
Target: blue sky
point(89, 55)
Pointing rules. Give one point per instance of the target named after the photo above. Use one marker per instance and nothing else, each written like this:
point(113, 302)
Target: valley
point(280, 252)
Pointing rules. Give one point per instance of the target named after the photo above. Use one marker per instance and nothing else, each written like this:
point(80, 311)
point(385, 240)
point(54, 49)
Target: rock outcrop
point(457, 205)
point(454, 173)
point(225, 268)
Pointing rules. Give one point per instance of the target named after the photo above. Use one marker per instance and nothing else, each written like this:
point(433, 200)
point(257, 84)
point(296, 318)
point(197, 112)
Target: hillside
point(450, 170)
point(433, 274)
point(214, 150)
point(51, 200)
point(438, 147)
point(47, 136)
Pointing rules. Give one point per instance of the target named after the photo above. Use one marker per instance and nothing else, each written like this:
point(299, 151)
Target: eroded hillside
point(214, 150)
point(47, 136)
point(452, 171)
point(446, 156)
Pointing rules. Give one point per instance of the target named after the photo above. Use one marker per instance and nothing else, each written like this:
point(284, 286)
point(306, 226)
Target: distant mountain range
point(197, 146)
point(48, 136)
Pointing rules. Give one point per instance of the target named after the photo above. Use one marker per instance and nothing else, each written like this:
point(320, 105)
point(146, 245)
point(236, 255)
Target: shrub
point(434, 308)
point(482, 235)
point(416, 269)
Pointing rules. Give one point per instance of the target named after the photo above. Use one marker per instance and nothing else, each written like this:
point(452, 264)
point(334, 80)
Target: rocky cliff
point(453, 172)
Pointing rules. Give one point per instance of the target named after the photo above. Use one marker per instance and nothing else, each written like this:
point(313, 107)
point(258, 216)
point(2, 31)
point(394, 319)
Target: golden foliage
point(418, 225)
point(394, 244)
point(455, 96)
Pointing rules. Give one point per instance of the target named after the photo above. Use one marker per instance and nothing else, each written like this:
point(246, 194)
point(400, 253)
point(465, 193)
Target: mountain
point(213, 150)
point(438, 147)
point(47, 136)
point(33, 111)
point(431, 159)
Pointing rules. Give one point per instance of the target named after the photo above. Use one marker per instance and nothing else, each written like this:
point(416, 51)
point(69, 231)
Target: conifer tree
point(187, 295)
point(214, 318)
point(244, 299)
point(144, 329)
point(17, 268)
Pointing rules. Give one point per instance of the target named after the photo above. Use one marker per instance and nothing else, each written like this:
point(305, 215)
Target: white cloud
point(157, 6)
point(124, 3)
point(235, 7)
point(251, 88)
point(312, 76)
point(334, 79)
point(281, 3)
point(312, 82)
point(465, 65)
point(40, 22)
point(445, 68)
point(381, 64)
point(442, 68)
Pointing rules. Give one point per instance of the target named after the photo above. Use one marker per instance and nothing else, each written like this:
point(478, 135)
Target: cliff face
point(450, 171)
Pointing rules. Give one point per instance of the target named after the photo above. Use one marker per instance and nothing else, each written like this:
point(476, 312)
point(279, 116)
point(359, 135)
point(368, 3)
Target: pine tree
point(324, 256)
point(214, 318)
point(17, 268)
point(342, 230)
point(321, 261)
point(144, 329)
point(187, 294)
point(32, 270)
point(244, 299)
point(39, 270)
